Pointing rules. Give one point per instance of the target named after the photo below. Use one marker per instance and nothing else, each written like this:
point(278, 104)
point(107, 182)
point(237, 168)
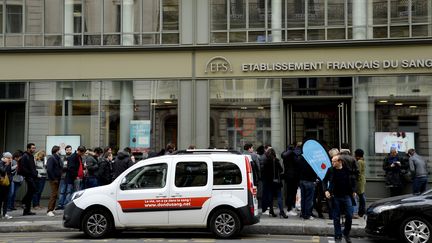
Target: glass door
point(343, 123)
point(326, 121)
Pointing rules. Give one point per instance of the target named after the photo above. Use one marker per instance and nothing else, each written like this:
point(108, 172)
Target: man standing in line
point(307, 178)
point(74, 173)
point(419, 172)
point(341, 191)
point(63, 184)
point(248, 150)
point(27, 168)
point(54, 171)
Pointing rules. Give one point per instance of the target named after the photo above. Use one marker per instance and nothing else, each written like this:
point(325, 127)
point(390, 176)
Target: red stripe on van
point(163, 203)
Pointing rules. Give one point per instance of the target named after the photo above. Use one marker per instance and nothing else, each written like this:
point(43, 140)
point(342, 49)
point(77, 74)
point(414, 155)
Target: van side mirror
point(123, 184)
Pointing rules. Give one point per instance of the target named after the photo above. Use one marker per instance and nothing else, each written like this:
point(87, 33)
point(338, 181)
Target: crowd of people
point(66, 174)
point(342, 191)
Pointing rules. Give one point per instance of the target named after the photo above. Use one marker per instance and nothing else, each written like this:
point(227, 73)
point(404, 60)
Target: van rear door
point(191, 189)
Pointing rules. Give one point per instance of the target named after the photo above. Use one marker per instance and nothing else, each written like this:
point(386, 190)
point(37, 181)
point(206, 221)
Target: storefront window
point(245, 111)
point(63, 108)
point(147, 108)
point(392, 111)
point(137, 114)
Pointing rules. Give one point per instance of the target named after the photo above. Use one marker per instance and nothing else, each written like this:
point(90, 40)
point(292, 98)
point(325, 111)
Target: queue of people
point(342, 191)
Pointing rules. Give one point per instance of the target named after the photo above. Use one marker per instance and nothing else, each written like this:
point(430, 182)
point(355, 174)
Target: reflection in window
point(146, 177)
point(240, 112)
point(153, 101)
point(191, 174)
point(12, 90)
point(64, 107)
point(14, 14)
point(226, 173)
point(396, 104)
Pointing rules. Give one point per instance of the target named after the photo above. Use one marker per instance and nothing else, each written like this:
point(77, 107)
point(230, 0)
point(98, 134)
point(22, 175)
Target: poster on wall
point(62, 141)
point(139, 135)
point(402, 141)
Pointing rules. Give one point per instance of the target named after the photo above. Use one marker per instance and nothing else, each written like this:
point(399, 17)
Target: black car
point(408, 217)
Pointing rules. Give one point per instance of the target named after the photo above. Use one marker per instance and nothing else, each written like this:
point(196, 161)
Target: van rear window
point(191, 174)
point(226, 173)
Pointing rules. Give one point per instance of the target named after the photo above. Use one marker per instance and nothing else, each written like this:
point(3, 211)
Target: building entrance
point(327, 121)
point(12, 126)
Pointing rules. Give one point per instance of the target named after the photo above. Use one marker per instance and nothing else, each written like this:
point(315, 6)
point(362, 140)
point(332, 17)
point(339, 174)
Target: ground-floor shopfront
point(370, 96)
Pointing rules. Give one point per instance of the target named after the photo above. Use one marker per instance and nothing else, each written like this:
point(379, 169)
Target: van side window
point(189, 174)
point(226, 173)
point(146, 177)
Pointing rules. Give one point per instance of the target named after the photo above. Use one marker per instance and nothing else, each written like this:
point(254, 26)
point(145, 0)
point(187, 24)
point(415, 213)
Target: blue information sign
point(317, 157)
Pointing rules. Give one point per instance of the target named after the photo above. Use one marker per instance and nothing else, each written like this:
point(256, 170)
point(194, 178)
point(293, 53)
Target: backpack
point(352, 164)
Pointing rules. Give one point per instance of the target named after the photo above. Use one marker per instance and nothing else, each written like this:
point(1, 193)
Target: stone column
point(276, 20)
point(126, 111)
point(127, 22)
point(68, 23)
point(359, 19)
point(275, 115)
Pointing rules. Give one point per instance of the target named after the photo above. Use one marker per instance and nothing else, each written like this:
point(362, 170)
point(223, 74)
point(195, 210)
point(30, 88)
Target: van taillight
point(250, 185)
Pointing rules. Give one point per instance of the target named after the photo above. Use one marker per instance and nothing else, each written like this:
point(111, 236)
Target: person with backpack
point(27, 168)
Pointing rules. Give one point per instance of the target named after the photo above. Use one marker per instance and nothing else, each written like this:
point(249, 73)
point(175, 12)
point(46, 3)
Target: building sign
point(139, 138)
point(220, 64)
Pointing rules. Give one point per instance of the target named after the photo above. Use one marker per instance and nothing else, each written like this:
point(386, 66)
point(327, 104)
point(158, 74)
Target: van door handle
point(161, 196)
point(176, 195)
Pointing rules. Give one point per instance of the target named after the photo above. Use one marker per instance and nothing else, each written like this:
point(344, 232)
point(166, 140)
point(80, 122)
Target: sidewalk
point(267, 225)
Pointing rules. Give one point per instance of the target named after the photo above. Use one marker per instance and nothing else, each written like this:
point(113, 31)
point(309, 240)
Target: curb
point(294, 228)
point(298, 230)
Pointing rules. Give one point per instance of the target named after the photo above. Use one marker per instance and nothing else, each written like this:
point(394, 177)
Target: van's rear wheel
point(97, 224)
point(225, 223)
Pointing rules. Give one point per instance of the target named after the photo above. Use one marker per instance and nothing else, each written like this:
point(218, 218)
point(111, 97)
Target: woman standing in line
point(42, 175)
point(272, 184)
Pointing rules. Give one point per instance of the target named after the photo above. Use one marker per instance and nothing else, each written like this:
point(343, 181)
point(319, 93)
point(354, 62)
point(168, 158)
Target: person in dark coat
point(291, 176)
point(27, 168)
point(393, 165)
point(91, 168)
point(341, 191)
point(74, 173)
point(121, 163)
point(6, 171)
point(307, 186)
point(54, 173)
point(272, 183)
point(105, 169)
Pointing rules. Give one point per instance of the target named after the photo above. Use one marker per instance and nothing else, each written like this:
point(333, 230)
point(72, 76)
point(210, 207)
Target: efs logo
point(218, 64)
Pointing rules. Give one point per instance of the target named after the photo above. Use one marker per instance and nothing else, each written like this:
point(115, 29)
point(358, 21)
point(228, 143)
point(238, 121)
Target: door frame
point(345, 110)
point(24, 138)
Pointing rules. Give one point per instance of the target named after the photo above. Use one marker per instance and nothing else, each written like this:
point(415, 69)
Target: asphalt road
point(184, 237)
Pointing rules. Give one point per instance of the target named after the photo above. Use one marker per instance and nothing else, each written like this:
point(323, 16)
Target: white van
point(191, 189)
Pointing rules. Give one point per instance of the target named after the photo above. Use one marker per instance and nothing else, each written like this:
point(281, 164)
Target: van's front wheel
point(97, 224)
point(225, 223)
